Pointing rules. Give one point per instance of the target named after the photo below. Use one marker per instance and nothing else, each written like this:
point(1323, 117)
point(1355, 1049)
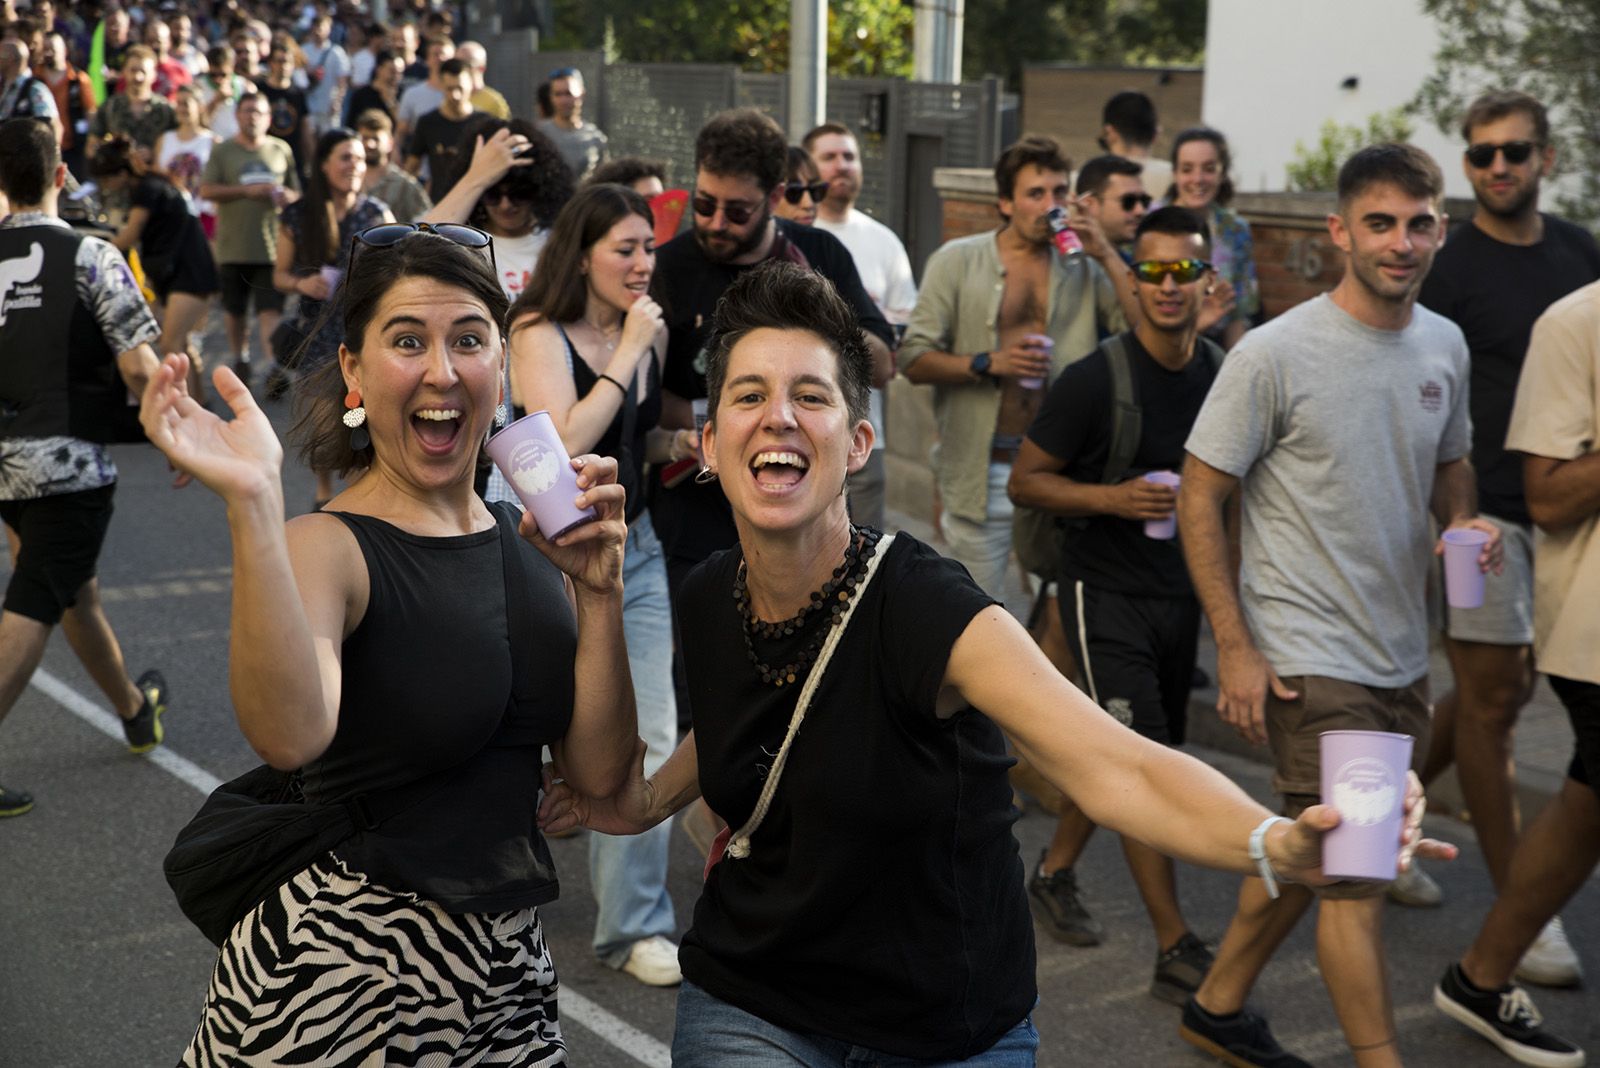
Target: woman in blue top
point(1200, 182)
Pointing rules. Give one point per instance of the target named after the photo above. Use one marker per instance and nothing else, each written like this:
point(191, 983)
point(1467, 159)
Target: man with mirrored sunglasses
point(885, 271)
point(1126, 604)
point(1494, 277)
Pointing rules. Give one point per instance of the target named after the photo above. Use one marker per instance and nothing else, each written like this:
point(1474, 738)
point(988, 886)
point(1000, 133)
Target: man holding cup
point(1127, 607)
point(1341, 424)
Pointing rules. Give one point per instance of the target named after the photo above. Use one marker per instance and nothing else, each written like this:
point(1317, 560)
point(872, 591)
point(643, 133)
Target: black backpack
point(1040, 537)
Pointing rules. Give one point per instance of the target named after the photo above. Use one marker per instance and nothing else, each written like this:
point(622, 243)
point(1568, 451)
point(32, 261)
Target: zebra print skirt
point(335, 970)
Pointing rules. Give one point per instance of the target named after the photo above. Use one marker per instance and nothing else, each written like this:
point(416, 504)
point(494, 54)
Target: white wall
point(1274, 70)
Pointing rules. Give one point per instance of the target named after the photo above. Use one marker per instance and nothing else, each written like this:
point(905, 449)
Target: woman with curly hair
point(513, 186)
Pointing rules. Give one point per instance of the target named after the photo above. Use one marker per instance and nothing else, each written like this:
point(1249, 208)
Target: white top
point(516, 257)
point(186, 162)
point(361, 65)
point(885, 271)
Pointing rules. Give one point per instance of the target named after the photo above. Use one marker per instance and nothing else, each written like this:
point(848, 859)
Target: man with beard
point(74, 96)
point(1341, 424)
point(1000, 314)
point(885, 270)
point(739, 170)
point(1494, 278)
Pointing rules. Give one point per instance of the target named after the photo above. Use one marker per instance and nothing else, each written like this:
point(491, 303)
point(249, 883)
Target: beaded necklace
point(833, 598)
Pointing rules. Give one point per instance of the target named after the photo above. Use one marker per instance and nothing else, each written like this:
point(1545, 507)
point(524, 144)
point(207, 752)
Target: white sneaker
point(1416, 888)
point(654, 962)
point(1550, 961)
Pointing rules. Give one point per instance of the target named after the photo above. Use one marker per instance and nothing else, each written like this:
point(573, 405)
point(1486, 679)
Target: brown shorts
point(1328, 704)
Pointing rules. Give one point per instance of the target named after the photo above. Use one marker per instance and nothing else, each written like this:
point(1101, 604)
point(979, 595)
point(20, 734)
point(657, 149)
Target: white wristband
point(1258, 853)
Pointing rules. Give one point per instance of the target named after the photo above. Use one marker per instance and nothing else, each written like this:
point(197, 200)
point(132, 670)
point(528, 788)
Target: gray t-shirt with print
point(1336, 429)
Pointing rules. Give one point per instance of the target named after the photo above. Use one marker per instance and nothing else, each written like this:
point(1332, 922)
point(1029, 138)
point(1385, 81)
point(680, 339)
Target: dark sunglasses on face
point(393, 233)
point(1132, 200)
point(737, 214)
point(793, 191)
point(1482, 155)
point(499, 193)
point(1182, 271)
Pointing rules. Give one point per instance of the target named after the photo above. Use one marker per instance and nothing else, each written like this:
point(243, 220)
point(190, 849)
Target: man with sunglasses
point(1494, 278)
point(582, 144)
point(1126, 603)
point(1341, 430)
point(1111, 188)
point(739, 172)
point(885, 271)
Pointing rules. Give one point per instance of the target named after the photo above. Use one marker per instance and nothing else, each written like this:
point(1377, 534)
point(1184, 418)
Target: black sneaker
point(1242, 1039)
point(1054, 901)
point(14, 802)
point(1180, 970)
point(1505, 1017)
point(241, 367)
point(144, 731)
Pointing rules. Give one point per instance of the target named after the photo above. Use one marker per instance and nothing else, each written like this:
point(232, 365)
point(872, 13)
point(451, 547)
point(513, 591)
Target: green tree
point(1315, 168)
point(1003, 36)
point(1543, 47)
point(866, 38)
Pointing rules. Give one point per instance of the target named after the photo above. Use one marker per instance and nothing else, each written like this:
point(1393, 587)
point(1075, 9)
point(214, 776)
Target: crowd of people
point(412, 264)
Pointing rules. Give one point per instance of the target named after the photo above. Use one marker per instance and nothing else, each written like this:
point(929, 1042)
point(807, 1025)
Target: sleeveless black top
point(628, 454)
point(428, 687)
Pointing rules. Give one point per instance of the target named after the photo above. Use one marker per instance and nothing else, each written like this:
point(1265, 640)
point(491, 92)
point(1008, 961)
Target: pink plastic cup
point(1463, 578)
point(530, 455)
point(1041, 341)
point(1364, 777)
point(1162, 529)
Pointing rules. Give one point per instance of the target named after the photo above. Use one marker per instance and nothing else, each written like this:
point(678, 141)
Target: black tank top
point(427, 687)
point(628, 454)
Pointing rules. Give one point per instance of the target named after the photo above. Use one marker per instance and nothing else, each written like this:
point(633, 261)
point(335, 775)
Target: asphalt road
point(98, 969)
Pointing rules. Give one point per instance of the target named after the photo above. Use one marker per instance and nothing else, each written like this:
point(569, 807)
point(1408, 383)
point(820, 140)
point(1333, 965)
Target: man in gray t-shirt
point(1341, 424)
point(582, 144)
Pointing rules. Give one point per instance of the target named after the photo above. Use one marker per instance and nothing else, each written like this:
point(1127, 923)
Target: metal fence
point(655, 109)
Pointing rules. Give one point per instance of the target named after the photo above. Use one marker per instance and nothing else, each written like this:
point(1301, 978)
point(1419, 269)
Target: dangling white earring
point(500, 415)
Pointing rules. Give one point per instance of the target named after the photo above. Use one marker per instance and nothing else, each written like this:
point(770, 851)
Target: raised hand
point(235, 458)
point(591, 555)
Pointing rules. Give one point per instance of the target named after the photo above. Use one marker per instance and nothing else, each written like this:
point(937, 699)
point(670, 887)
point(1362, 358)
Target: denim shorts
point(714, 1034)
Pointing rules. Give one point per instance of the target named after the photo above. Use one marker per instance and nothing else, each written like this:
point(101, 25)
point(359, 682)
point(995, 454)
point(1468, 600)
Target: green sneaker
point(14, 802)
point(144, 731)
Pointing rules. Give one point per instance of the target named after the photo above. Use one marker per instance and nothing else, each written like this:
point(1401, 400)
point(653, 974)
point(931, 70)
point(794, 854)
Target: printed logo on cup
point(535, 468)
point(1365, 792)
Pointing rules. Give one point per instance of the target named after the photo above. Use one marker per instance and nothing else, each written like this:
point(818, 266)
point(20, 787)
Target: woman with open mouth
point(408, 655)
point(850, 692)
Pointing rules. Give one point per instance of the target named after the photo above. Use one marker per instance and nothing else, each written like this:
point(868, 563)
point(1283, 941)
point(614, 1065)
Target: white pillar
point(808, 65)
point(936, 40)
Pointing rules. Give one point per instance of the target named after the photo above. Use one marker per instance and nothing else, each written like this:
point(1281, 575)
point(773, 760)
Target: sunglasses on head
point(561, 72)
point(1131, 200)
point(793, 191)
point(737, 214)
point(1182, 271)
point(393, 233)
point(1482, 155)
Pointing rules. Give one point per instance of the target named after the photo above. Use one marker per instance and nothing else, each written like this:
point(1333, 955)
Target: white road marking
point(605, 1024)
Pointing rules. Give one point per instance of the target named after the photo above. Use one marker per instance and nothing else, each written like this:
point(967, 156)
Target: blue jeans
point(713, 1034)
point(629, 873)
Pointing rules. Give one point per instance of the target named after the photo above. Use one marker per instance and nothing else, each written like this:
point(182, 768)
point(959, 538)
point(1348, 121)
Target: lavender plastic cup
point(530, 455)
point(1364, 777)
point(1162, 529)
point(1043, 341)
point(332, 275)
point(1463, 578)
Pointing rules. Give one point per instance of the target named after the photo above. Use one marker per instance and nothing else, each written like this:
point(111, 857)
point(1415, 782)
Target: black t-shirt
point(438, 138)
point(288, 108)
point(693, 521)
point(1074, 425)
point(366, 98)
point(883, 902)
point(169, 231)
point(1494, 292)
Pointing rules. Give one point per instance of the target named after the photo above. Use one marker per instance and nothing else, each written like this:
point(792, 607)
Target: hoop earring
point(705, 476)
point(355, 417)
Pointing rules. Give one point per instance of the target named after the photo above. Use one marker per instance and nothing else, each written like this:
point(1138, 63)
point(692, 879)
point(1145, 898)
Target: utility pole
point(936, 40)
point(808, 65)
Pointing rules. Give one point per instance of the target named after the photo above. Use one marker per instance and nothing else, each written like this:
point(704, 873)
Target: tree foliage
point(866, 38)
point(1003, 36)
point(1315, 168)
point(1543, 47)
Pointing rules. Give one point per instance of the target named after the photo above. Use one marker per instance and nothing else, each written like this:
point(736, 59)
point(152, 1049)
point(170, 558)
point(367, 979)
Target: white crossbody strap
point(739, 846)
